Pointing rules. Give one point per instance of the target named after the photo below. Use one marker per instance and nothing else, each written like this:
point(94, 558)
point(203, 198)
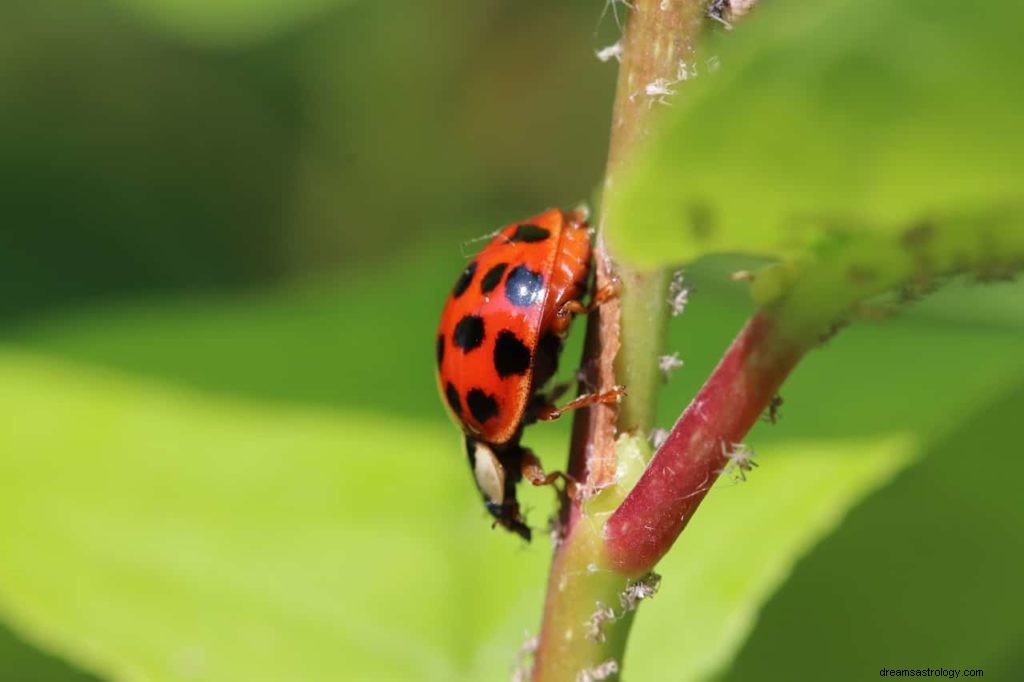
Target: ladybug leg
point(564, 315)
point(557, 391)
point(534, 473)
point(606, 293)
point(601, 296)
point(609, 397)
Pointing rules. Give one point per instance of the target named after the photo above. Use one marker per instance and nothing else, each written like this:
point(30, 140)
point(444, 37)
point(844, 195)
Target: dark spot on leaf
point(700, 220)
point(861, 274)
point(481, 405)
point(833, 328)
point(469, 332)
point(918, 236)
point(511, 356)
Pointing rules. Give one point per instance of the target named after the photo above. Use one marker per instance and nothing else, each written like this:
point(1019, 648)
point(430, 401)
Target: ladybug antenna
point(469, 242)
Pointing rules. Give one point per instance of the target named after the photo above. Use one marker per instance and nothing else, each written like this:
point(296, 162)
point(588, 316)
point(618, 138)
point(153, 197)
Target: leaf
point(20, 661)
point(868, 145)
point(198, 522)
point(945, 527)
point(226, 22)
point(742, 545)
point(152, 534)
point(931, 378)
point(210, 536)
point(340, 342)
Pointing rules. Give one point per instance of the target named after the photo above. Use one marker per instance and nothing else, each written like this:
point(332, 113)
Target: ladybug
point(498, 344)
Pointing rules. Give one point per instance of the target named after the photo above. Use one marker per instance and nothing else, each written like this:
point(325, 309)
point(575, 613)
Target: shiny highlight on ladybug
point(498, 344)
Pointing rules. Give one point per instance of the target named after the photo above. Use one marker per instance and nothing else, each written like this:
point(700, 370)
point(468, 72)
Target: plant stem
point(661, 36)
point(697, 449)
point(644, 324)
point(624, 340)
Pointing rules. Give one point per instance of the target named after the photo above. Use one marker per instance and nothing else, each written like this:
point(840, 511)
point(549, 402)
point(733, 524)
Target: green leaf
point(338, 342)
point(945, 527)
point(916, 374)
point(868, 145)
point(742, 545)
point(151, 534)
point(20, 661)
point(154, 531)
point(226, 22)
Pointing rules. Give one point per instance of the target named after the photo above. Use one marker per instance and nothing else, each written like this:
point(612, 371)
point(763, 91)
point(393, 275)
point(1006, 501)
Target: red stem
point(655, 512)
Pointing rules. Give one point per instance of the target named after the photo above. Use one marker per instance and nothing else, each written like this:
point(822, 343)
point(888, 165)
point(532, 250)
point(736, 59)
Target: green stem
point(644, 324)
point(624, 341)
point(575, 636)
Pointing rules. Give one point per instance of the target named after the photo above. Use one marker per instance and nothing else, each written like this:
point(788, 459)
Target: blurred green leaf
point(917, 374)
point(153, 534)
point(918, 371)
point(935, 558)
point(182, 483)
point(826, 140)
point(21, 661)
point(360, 339)
point(132, 165)
point(742, 546)
point(227, 22)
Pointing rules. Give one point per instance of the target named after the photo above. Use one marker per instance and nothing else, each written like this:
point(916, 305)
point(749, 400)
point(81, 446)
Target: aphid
point(657, 437)
point(658, 90)
point(638, 590)
point(739, 460)
point(668, 364)
point(498, 343)
point(601, 671)
point(595, 624)
point(774, 405)
point(719, 11)
point(613, 51)
point(678, 294)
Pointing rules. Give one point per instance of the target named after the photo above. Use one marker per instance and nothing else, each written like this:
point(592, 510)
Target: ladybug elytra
point(498, 343)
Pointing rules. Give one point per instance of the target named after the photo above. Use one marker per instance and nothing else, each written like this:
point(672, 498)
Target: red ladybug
point(498, 343)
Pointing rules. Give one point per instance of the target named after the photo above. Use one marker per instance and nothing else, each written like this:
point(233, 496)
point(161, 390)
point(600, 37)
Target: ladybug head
point(496, 486)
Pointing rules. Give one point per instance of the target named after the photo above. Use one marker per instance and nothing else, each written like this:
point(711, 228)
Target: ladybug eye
point(489, 474)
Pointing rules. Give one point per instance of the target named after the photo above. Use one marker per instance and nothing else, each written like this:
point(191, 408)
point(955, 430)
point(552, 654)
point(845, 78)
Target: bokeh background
point(225, 212)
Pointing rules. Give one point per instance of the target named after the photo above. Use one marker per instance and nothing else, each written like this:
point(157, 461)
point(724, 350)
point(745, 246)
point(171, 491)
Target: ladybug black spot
point(545, 362)
point(440, 349)
point(453, 398)
point(493, 276)
point(529, 234)
point(524, 287)
point(462, 283)
point(511, 356)
point(469, 332)
point(481, 405)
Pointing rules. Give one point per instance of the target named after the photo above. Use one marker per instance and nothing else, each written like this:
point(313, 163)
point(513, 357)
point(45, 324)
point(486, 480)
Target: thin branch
point(697, 449)
point(624, 340)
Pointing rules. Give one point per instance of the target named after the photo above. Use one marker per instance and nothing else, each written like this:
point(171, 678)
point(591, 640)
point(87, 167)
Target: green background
point(228, 229)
